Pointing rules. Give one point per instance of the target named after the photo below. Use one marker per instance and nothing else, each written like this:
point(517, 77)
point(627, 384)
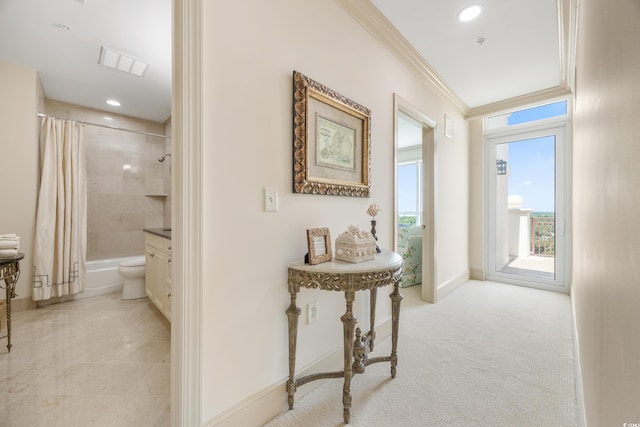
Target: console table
point(9, 272)
point(385, 269)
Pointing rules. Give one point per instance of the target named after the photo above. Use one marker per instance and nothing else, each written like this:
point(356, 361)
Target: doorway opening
point(415, 197)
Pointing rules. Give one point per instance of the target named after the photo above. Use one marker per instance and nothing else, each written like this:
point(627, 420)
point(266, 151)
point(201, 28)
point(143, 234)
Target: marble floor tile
point(97, 361)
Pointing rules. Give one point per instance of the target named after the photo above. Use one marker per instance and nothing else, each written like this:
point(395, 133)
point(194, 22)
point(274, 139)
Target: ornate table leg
point(8, 283)
point(10, 273)
point(293, 313)
point(349, 323)
point(396, 297)
point(372, 316)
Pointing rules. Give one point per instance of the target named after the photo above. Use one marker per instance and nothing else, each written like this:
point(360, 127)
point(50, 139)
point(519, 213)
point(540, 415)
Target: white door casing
point(558, 128)
point(429, 139)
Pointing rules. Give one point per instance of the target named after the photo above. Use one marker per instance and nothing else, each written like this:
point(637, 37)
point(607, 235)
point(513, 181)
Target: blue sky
point(538, 113)
point(532, 168)
point(407, 187)
point(532, 161)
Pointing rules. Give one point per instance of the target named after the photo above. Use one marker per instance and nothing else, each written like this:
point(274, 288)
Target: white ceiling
point(520, 53)
point(67, 60)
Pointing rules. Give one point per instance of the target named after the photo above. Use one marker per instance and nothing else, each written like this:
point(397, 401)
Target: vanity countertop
point(162, 232)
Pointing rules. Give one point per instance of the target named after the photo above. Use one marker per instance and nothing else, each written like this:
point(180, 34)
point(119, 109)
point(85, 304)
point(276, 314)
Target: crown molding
point(367, 15)
point(568, 33)
point(517, 102)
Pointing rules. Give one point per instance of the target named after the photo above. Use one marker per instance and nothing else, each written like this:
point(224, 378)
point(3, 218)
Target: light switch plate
point(271, 199)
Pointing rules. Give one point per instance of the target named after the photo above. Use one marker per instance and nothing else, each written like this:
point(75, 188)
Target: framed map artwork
point(331, 141)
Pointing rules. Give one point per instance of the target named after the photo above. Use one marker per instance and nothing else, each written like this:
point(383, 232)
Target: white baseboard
point(268, 403)
point(477, 274)
point(582, 416)
point(451, 285)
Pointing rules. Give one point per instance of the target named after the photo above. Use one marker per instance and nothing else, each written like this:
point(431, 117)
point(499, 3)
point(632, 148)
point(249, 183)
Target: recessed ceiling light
point(113, 102)
point(470, 13)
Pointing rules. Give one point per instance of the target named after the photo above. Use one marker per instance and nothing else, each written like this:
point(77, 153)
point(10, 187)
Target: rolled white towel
point(10, 236)
point(8, 253)
point(9, 244)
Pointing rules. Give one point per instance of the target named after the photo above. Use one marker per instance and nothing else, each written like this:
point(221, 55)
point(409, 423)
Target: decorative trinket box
point(355, 245)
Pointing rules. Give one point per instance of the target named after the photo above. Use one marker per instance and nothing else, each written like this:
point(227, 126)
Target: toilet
point(132, 271)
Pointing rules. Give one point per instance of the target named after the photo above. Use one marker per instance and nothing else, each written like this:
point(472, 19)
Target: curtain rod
point(105, 126)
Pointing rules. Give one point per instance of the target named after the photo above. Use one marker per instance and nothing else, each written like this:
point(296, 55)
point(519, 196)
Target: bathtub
point(103, 277)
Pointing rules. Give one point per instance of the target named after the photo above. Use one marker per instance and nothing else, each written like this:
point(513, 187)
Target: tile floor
point(98, 361)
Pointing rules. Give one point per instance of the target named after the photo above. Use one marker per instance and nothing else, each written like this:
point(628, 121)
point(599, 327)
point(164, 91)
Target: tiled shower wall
point(128, 189)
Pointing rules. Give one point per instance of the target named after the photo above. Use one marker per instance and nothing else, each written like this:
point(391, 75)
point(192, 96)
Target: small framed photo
point(448, 127)
point(319, 242)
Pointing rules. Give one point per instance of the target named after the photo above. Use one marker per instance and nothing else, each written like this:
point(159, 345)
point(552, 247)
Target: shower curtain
point(61, 219)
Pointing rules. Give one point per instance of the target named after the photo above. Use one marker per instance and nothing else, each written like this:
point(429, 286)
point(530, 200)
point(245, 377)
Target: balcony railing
point(543, 236)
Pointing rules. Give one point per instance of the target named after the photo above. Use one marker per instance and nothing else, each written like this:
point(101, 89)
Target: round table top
point(12, 259)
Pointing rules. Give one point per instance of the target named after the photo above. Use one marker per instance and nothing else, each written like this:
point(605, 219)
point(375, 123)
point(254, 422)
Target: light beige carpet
point(489, 354)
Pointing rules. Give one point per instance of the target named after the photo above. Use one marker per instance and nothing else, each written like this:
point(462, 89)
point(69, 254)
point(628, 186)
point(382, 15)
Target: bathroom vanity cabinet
point(158, 284)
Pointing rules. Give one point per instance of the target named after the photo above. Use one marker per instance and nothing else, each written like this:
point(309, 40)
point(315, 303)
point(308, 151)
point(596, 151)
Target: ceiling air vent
point(119, 61)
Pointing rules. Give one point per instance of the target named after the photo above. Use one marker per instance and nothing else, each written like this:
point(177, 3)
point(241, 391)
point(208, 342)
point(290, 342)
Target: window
point(527, 115)
point(409, 194)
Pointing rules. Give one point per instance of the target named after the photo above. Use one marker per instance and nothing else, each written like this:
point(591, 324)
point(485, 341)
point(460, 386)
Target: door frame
point(429, 289)
point(559, 126)
point(186, 212)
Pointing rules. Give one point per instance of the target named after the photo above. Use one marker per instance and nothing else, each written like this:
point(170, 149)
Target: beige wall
point(18, 170)
point(606, 276)
point(250, 50)
point(120, 202)
point(476, 199)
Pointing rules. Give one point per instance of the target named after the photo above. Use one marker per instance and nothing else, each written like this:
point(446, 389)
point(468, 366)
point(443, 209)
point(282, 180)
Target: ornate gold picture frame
point(331, 141)
point(319, 243)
